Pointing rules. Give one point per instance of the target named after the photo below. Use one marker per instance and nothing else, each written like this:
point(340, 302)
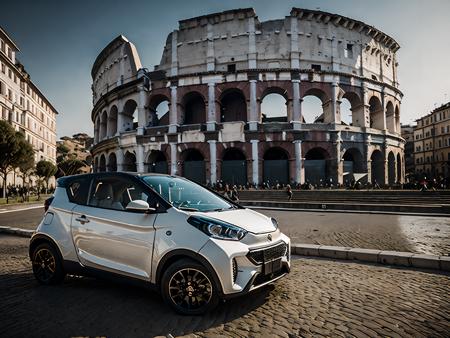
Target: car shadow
point(83, 306)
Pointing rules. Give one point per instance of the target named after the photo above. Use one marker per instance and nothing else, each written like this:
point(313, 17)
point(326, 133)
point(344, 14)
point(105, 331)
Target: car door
point(106, 235)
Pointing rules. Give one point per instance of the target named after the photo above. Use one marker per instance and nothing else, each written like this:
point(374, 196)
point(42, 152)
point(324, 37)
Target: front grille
point(265, 255)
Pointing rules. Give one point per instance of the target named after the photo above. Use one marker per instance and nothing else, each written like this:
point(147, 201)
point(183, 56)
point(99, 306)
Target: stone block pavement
point(320, 298)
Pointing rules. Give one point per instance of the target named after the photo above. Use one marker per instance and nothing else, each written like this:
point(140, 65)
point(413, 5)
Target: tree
point(14, 149)
point(45, 170)
point(26, 168)
point(70, 167)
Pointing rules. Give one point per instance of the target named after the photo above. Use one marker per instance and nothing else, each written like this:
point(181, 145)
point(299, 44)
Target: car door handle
point(82, 219)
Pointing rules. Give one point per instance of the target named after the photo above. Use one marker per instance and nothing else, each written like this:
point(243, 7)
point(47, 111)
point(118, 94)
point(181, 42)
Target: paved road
point(422, 234)
point(319, 298)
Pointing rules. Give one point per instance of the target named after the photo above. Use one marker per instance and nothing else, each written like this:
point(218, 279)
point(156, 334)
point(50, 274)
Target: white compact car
point(193, 244)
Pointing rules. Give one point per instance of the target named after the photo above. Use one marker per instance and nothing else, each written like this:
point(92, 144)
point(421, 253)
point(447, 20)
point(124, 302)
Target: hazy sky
point(59, 41)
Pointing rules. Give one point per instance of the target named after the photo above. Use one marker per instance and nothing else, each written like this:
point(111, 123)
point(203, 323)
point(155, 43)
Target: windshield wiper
point(187, 209)
point(223, 209)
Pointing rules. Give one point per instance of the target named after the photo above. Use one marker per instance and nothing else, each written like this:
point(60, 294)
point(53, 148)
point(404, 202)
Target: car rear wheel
point(47, 266)
point(189, 288)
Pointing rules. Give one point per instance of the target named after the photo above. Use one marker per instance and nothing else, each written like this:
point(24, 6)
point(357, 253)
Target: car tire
point(47, 265)
point(189, 288)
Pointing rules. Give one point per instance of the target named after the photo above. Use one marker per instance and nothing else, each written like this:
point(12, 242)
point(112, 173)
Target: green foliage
point(45, 169)
point(70, 167)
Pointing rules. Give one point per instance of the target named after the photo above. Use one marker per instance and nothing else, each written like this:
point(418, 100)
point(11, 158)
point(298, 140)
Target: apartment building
point(432, 143)
point(24, 105)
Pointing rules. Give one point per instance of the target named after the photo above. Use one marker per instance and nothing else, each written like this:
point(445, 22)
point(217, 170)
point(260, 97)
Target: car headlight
point(217, 229)
point(275, 223)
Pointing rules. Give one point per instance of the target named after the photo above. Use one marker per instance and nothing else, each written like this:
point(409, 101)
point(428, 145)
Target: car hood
point(246, 219)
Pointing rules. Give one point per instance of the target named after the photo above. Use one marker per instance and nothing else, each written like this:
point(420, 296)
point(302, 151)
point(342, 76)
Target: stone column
point(299, 170)
point(255, 162)
point(174, 54)
point(295, 55)
point(213, 160)
point(335, 108)
point(142, 116)
point(211, 123)
point(296, 105)
point(251, 43)
point(383, 109)
point(173, 159)
point(173, 117)
point(253, 119)
point(210, 61)
point(339, 160)
point(140, 158)
point(120, 159)
point(365, 114)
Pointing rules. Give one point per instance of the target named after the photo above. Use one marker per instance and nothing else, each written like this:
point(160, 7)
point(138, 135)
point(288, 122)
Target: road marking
point(23, 209)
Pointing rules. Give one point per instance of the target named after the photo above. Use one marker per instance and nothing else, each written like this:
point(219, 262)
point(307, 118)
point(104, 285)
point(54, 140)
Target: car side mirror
point(139, 206)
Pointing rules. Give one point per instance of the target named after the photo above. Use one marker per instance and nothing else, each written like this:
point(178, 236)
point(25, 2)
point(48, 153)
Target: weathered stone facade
point(214, 73)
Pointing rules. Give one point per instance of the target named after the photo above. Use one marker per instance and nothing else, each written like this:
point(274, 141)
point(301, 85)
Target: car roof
point(66, 180)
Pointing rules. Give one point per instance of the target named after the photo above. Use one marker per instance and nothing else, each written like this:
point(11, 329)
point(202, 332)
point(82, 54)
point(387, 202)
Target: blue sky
point(59, 41)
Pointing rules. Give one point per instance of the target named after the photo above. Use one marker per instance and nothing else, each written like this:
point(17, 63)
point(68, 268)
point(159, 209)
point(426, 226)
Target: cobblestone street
point(319, 298)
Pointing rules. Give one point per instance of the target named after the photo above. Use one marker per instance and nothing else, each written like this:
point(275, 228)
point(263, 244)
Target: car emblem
point(269, 237)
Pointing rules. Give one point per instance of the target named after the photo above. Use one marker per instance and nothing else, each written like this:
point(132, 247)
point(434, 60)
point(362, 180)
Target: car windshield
point(187, 195)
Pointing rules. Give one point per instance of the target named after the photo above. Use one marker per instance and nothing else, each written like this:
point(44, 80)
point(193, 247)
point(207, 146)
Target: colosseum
point(200, 112)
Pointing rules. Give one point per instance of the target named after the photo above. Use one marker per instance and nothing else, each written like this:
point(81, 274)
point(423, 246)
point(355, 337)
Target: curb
point(396, 258)
point(16, 231)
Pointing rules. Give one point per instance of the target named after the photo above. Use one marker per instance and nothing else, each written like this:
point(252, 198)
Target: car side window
point(117, 192)
point(78, 191)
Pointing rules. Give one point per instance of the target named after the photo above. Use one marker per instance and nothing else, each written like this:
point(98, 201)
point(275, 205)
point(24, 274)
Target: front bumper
point(257, 266)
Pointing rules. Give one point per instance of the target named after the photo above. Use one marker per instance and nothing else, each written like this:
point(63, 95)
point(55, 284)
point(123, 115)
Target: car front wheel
point(189, 288)
point(47, 266)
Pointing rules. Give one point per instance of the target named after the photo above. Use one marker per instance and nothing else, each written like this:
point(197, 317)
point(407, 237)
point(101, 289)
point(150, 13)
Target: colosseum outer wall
point(216, 70)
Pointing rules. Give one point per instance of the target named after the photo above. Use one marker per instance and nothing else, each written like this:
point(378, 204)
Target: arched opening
point(194, 108)
point(233, 106)
point(112, 121)
point(353, 164)
point(276, 166)
point(399, 168)
point(313, 106)
point(96, 165)
point(97, 129)
point(316, 166)
point(397, 120)
point(274, 106)
point(103, 125)
point(391, 169)
point(377, 167)
point(376, 113)
point(194, 166)
point(159, 110)
point(112, 162)
point(234, 167)
point(102, 164)
point(346, 112)
point(130, 116)
point(390, 118)
point(157, 162)
point(129, 162)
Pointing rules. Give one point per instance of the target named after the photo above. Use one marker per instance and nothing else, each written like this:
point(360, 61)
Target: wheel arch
point(39, 239)
point(179, 254)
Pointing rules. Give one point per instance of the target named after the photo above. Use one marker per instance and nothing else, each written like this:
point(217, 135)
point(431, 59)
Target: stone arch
point(129, 115)
point(157, 162)
point(376, 113)
point(397, 119)
point(97, 129)
point(276, 166)
point(194, 108)
point(102, 163)
point(317, 166)
point(129, 162)
point(234, 167)
point(377, 167)
point(275, 105)
point(112, 121)
point(193, 165)
point(390, 117)
point(159, 108)
point(356, 109)
point(314, 111)
point(96, 164)
point(353, 161)
point(103, 125)
point(112, 162)
point(399, 168)
point(391, 168)
point(233, 106)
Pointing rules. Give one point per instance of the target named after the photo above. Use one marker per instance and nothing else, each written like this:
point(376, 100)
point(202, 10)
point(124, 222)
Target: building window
point(316, 68)
point(231, 68)
point(348, 51)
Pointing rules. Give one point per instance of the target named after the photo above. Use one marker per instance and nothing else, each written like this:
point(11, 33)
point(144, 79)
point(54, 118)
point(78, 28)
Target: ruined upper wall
point(116, 65)
point(302, 40)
